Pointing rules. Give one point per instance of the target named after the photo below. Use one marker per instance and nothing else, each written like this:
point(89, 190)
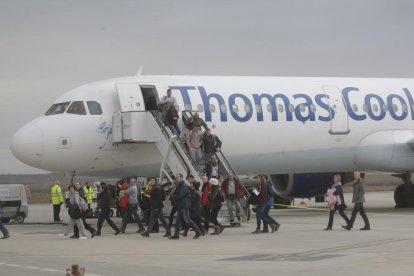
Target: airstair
point(136, 123)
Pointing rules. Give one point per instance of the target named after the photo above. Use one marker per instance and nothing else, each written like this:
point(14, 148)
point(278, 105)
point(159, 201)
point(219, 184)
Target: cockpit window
point(57, 108)
point(94, 108)
point(77, 107)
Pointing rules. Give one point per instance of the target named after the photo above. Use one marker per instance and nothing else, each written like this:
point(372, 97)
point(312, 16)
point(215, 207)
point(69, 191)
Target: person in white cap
point(216, 198)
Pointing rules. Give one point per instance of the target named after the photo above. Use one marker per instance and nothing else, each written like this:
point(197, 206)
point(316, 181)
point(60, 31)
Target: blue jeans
point(132, 210)
point(184, 214)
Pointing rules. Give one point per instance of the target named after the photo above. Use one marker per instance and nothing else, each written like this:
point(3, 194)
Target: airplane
point(298, 130)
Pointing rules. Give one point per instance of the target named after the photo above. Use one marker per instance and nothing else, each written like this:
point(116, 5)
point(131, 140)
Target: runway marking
point(312, 255)
point(42, 269)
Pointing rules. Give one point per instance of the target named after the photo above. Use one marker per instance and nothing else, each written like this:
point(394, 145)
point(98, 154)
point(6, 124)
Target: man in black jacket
point(211, 144)
point(156, 199)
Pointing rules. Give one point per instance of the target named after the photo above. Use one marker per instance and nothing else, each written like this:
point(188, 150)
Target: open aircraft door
point(130, 122)
point(339, 119)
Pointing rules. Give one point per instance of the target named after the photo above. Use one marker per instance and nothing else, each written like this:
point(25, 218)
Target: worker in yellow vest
point(89, 194)
point(57, 200)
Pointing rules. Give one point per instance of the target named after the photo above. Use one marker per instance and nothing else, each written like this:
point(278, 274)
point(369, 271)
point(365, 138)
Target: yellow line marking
point(327, 210)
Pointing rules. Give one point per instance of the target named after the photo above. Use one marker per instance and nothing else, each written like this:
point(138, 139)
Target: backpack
point(74, 211)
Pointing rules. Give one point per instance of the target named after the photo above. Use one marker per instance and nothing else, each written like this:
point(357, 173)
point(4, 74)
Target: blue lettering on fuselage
point(300, 107)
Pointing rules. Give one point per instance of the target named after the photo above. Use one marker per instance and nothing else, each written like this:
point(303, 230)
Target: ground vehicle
point(14, 202)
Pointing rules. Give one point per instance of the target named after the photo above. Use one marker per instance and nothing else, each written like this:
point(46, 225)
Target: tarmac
point(300, 247)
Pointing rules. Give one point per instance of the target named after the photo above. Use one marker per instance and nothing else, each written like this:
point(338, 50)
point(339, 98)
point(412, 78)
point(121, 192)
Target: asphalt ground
point(300, 247)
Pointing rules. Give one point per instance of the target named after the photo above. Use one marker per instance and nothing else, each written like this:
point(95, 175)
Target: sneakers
point(83, 238)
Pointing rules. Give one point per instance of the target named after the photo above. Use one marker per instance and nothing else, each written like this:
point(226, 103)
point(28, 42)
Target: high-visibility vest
point(56, 194)
point(89, 194)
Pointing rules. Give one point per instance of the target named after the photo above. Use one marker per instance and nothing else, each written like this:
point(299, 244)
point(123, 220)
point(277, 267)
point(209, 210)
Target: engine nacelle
point(305, 184)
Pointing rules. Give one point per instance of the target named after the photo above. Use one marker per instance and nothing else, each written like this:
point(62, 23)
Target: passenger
point(171, 119)
point(198, 122)
point(195, 210)
point(233, 192)
point(358, 198)
point(89, 194)
point(212, 167)
point(75, 213)
point(173, 211)
point(146, 205)
point(205, 202)
point(132, 193)
point(2, 228)
point(122, 198)
point(183, 202)
point(267, 219)
point(83, 215)
point(156, 196)
point(194, 139)
point(168, 99)
point(215, 199)
point(263, 197)
point(105, 202)
point(211, 144)
point(57, 200)
point(338, 205)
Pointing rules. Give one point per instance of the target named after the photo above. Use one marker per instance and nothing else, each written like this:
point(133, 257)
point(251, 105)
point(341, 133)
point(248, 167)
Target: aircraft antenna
point(139, 72)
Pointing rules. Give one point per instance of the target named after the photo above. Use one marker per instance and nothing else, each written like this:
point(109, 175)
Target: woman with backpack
point(75, 213)
point(337, 202)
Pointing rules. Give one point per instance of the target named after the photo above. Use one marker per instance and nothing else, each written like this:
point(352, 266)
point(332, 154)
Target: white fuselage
point(267, 125)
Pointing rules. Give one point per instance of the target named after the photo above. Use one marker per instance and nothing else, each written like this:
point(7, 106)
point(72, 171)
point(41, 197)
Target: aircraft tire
point(398, 196)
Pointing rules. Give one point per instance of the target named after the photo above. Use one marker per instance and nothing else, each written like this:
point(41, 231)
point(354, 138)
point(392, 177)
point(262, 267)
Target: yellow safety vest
point(56, 194)
point(89, 194)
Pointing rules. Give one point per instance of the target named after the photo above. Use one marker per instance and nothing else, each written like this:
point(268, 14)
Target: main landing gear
point(404, 193)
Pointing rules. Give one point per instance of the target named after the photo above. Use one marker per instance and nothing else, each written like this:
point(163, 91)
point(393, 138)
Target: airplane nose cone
point(27, 145)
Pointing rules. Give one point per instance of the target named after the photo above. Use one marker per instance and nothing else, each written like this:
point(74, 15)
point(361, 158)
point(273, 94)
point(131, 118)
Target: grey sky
point(49, 47)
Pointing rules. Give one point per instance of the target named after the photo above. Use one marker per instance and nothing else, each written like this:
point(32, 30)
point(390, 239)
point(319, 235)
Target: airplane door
point(130, 97)
point(339, 120)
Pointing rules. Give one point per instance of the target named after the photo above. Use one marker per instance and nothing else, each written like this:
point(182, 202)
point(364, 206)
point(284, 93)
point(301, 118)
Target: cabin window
point(57, 108)
point(187, 107)
point(77, 107)
point(313, 108)
point(235, 108)
point(258, 108)
point(405, 107)
point(302, 108)
point(269, 108)
point(354, 108)
point(365, 108)
point(200, 108)
point(291, 108)
point(280, 108)
point(223, 108)
point(384, 108)
point(375, 107)
point(247, 108)
point(212, 108)
point(94, 108)
point(395, 107)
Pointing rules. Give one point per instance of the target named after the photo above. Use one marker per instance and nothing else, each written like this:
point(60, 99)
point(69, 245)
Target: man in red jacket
point(233, 191)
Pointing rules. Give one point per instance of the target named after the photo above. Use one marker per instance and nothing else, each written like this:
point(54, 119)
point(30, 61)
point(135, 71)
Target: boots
point(216, 230)
point(265, 230)
point(257, 231)
point(221, 227)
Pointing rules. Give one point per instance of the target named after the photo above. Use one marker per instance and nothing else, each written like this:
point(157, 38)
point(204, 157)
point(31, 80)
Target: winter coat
point(238, 188)
point(182, 195)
